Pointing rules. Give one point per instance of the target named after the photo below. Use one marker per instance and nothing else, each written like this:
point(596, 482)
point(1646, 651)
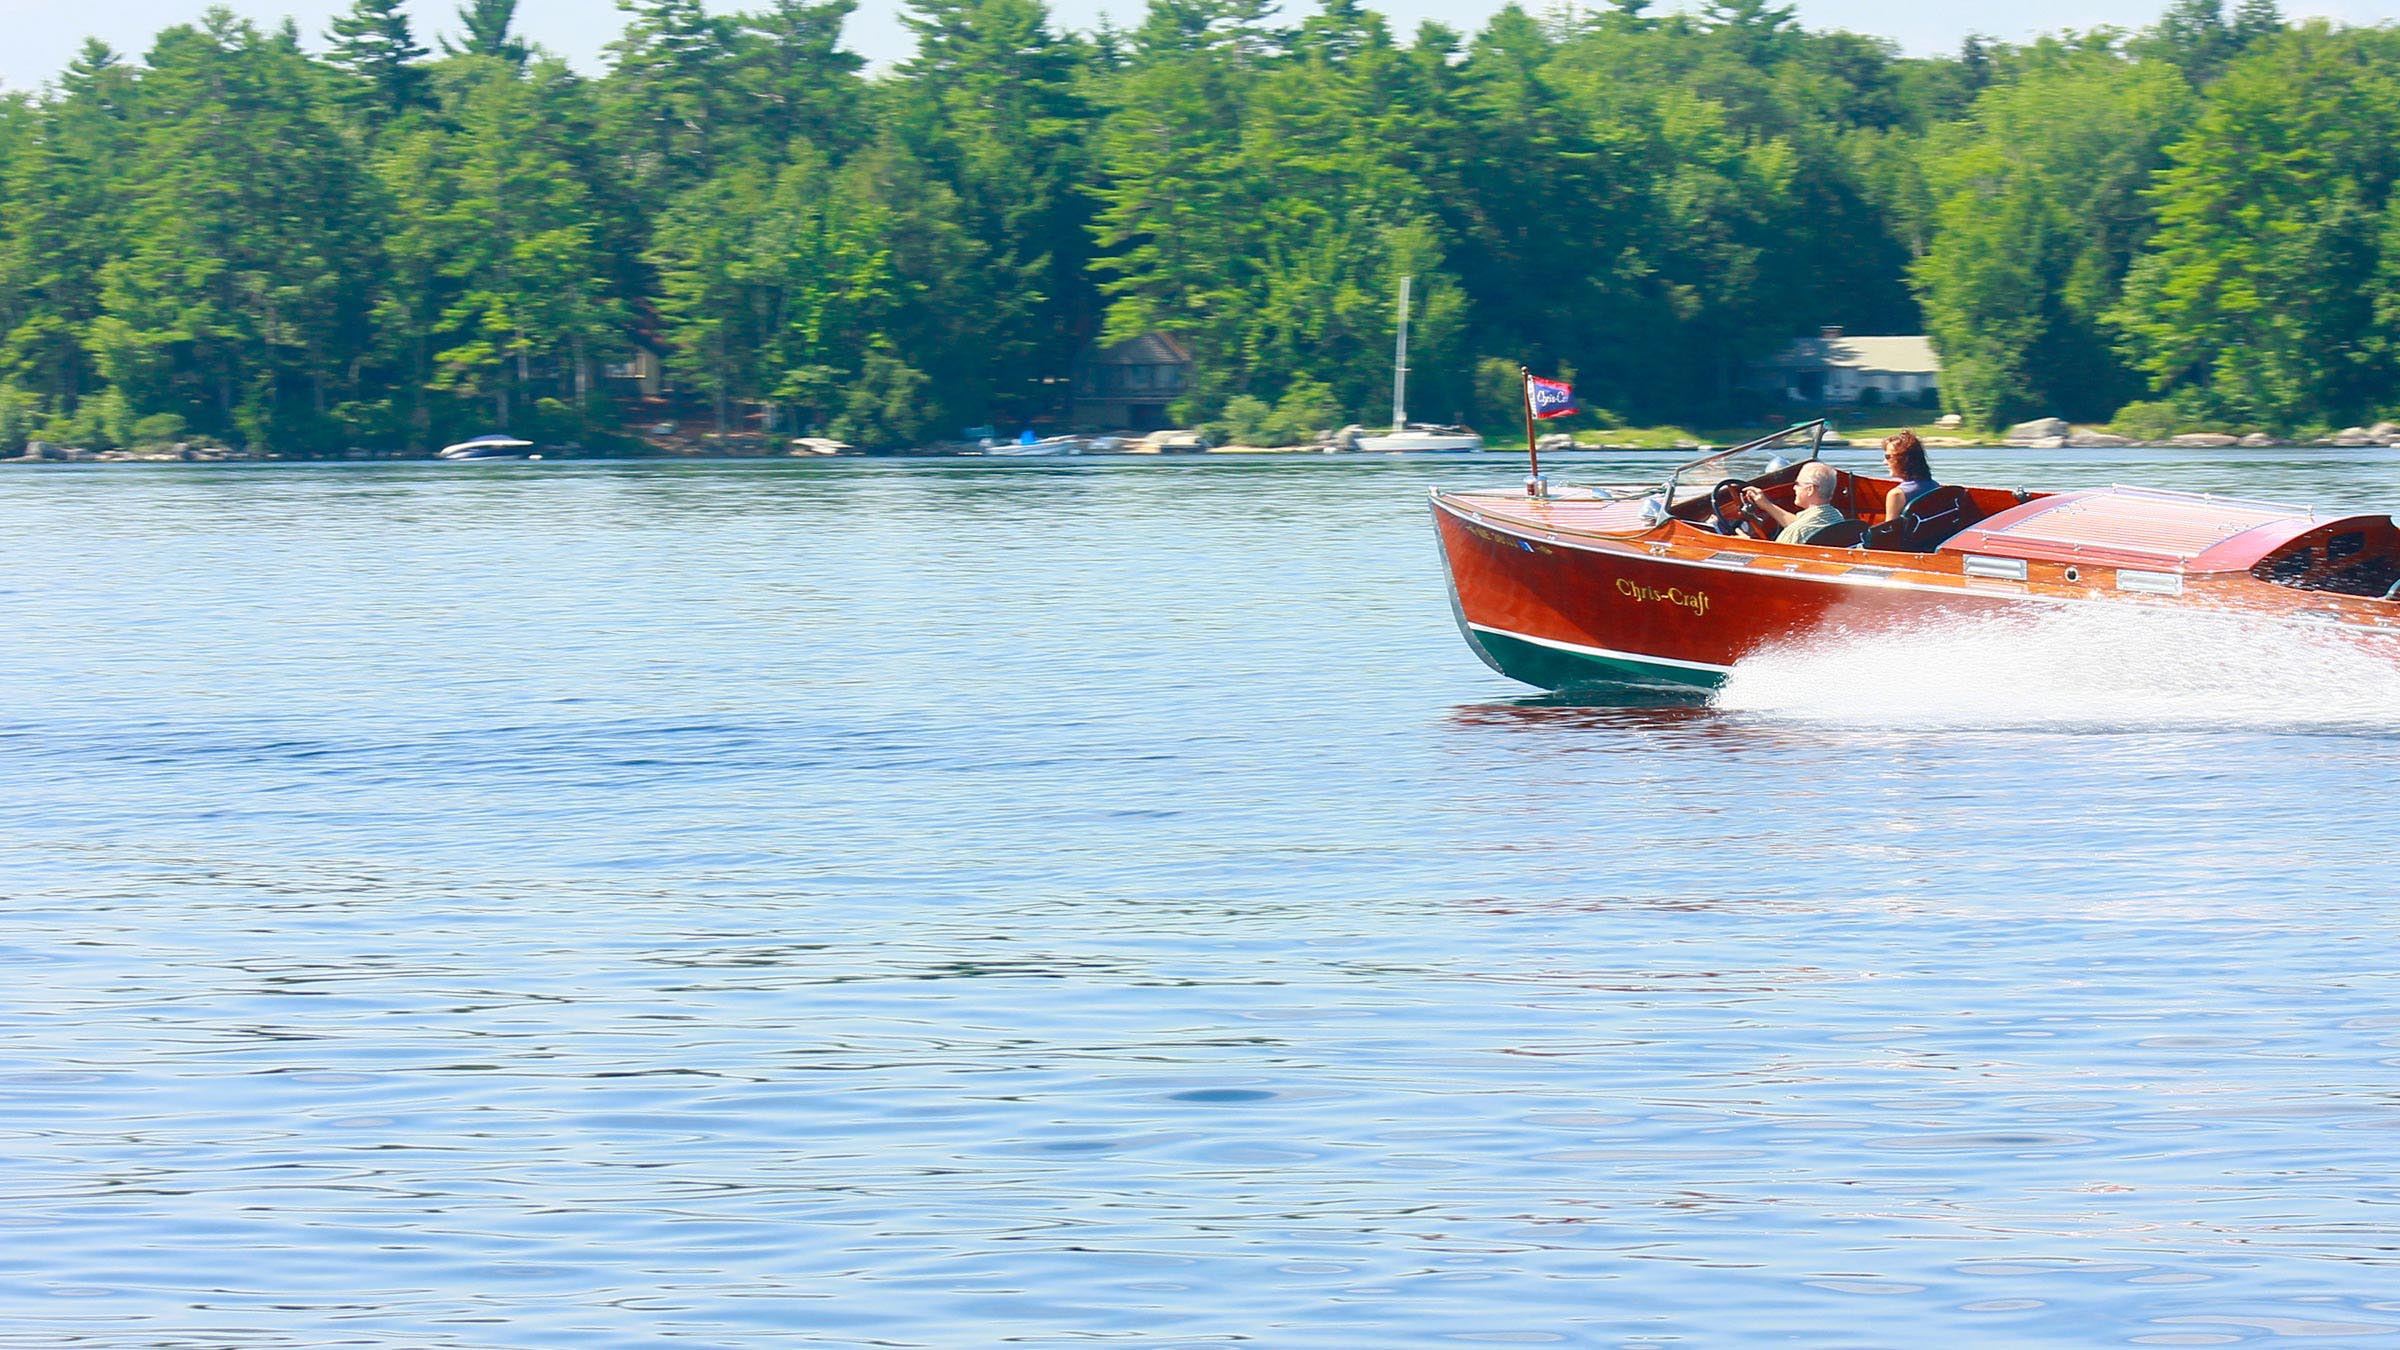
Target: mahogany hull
point(1587, 587)
point(1557, 614)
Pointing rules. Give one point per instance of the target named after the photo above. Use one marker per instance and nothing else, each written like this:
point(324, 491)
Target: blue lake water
point(948, 903)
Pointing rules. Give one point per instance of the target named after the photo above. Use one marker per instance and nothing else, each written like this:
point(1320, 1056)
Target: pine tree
point(1240, 29)
point(672, 93)
point(244, 314)
point(1172, 209)
point(65, 181)
point(993, 105)
point(372, 42)
point(1756, 30)
point(1629, 16)
point(1975, 62)
point(797, 78)
point(503, 239)
point(712, 314)
point(2256, 19)
point(2192, 35)
point(1751, 14)
point(487, 23)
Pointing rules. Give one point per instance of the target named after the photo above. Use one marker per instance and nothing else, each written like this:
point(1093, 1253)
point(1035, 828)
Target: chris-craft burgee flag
point(1551, 398)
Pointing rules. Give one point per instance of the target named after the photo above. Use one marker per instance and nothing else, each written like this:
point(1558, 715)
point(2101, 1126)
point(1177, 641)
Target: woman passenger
point(1904, 456)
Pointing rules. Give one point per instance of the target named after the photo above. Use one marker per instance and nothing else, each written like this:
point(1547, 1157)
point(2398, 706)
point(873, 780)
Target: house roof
point(1894, 355)
point(1150, 349)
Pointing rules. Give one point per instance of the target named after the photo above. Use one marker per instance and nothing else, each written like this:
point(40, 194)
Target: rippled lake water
point(947, 903)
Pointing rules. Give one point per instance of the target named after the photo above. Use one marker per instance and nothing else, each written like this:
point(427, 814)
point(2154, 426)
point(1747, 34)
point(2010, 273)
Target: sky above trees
point(44, 34)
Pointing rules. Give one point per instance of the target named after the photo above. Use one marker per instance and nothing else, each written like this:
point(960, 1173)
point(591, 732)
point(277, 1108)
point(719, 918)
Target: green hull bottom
point(1554, 668)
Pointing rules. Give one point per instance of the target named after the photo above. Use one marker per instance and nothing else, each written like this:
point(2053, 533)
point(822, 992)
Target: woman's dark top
point(1913, 488)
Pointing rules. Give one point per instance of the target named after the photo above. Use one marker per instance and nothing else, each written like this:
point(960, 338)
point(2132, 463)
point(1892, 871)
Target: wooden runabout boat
point(1645, 585)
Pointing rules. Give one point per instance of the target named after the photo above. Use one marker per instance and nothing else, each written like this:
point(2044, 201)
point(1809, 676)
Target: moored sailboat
point(1406, 436)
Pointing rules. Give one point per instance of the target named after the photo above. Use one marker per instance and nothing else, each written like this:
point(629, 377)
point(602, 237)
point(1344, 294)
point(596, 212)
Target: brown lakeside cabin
point(1127, 386)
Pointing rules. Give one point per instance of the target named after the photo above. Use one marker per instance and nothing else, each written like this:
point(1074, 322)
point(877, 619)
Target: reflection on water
point(1591, 707)
point(944, 904)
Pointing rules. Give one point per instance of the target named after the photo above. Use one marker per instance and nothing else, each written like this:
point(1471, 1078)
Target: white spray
point(2097, 667)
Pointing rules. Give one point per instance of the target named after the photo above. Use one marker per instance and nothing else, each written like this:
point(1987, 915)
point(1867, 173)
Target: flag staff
point(1534, 486)
point(1544, 399)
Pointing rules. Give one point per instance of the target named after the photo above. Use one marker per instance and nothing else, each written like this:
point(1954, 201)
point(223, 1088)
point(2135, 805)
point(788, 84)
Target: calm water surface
point(940, 904)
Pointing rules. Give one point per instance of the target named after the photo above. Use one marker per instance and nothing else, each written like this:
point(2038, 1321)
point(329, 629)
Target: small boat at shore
point(1642, 584)
point(1043, 448)
point(487, 447)
point(1420, 438)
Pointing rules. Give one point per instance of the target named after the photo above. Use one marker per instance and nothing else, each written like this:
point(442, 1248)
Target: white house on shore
point(1835, 370)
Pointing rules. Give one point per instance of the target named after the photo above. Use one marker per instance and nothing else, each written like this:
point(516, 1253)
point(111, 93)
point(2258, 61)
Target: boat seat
point(1889, 537)
point(1927, 524)
point(1938, 515)
point(1840, 534)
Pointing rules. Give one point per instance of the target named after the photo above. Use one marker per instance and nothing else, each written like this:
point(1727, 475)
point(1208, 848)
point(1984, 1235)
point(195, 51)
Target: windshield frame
point(1816, 444)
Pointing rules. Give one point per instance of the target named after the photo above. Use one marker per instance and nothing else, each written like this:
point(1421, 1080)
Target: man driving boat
point(1812, 500)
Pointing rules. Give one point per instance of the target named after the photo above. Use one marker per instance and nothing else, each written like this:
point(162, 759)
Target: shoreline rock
point(2042, 433)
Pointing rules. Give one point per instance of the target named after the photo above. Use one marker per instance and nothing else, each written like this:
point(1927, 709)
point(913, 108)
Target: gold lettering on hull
point(1695, 601)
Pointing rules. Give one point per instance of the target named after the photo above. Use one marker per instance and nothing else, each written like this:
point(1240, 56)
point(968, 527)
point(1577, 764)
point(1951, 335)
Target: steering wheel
point(1741, 526)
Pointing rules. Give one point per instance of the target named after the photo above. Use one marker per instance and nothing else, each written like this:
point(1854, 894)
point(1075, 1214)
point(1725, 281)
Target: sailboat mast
point(1400, 365)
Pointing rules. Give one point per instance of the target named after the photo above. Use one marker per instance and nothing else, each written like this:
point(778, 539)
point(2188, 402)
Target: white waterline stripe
point(1579, 650)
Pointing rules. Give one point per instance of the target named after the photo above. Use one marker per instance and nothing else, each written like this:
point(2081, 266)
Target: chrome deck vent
point(2149, 583)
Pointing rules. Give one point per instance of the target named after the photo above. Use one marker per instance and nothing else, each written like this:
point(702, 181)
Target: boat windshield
point(1752, 459)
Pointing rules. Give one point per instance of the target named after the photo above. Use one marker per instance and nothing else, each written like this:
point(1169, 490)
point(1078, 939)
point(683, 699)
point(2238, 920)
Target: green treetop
point(373, 44)
point(487, 26)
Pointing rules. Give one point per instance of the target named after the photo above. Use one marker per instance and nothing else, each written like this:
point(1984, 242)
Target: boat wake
point(2101, 668)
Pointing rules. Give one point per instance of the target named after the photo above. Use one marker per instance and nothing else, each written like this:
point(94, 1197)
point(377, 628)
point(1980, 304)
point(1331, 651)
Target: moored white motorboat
point(1418, 438)
point(487, 447)
point(1036, 449)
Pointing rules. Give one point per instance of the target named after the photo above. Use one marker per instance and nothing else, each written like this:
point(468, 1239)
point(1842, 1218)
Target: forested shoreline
point(302, 244)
